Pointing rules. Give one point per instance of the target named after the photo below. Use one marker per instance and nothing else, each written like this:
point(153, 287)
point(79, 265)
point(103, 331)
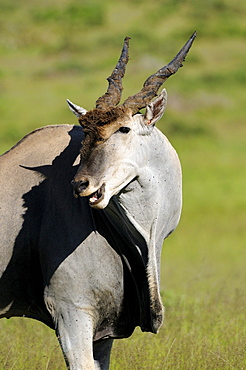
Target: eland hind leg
point(101, 353)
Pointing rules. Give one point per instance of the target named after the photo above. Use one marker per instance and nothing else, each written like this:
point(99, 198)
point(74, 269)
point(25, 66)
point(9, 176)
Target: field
point(51, 51)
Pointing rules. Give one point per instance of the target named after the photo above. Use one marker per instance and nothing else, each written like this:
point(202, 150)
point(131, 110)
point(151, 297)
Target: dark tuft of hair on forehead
point(98, 117)
point(95, 123)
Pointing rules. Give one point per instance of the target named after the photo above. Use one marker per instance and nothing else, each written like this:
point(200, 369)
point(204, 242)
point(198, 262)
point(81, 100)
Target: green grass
point(27, 344)
point(66, 49)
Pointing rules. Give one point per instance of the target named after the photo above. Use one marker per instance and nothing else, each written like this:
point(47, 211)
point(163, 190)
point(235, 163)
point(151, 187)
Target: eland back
point(84, 211)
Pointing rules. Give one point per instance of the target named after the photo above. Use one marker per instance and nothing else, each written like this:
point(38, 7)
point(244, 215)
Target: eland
point(84, 211)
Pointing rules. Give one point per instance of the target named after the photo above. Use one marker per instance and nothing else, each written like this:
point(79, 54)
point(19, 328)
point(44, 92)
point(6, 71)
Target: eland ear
point(76, 109)
point(155, 109)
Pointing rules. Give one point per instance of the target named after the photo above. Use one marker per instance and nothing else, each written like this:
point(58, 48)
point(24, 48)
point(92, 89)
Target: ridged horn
point(153, 83)
point(113, 95)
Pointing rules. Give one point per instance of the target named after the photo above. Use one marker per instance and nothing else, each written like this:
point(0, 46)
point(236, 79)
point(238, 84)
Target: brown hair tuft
point(98, 125)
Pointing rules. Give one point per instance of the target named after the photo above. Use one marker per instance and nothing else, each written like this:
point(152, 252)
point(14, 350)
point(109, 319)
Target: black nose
point(79, 186)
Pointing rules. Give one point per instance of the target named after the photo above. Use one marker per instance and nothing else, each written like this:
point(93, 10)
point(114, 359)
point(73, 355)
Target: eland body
point(82, 225)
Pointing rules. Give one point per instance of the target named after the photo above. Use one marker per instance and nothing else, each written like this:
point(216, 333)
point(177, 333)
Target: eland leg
point(101, 353)
point(74, 330)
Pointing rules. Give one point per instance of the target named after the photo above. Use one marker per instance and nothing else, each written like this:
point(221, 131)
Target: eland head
point(114, 150)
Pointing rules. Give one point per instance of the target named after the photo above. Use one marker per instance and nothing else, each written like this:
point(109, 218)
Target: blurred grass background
point(62, 49)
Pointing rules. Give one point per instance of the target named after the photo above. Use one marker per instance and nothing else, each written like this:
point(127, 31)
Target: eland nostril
point(79, 186)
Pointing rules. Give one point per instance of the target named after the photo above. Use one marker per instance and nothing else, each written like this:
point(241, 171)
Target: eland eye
point(124, 130)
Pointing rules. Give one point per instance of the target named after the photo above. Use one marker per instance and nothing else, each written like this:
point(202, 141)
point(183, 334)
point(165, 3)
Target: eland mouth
point(97, 196)
point(82, 189)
